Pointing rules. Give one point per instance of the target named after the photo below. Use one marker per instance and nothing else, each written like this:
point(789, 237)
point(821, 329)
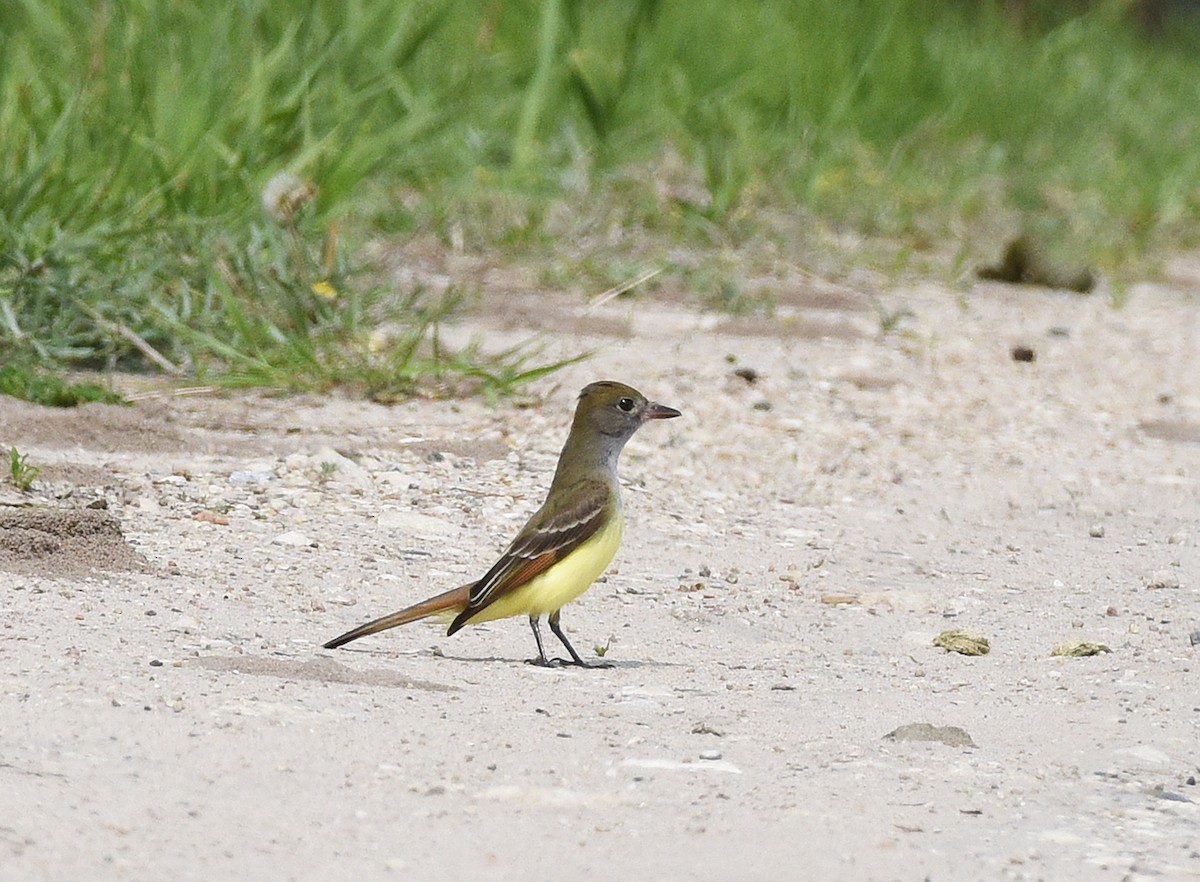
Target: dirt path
point(794, 545)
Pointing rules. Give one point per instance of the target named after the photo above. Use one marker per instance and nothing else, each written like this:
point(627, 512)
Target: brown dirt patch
point(96, 427)
point(63, 544)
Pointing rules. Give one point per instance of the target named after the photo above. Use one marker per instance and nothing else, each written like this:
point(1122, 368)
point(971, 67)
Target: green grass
point(20, 471)
point(26, 382)
point(588, 141)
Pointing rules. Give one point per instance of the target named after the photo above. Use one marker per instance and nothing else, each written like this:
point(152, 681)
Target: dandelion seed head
point(285, 194)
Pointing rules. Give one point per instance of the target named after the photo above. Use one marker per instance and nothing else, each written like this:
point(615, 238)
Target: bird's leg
point(541, 660)
point(558, 632)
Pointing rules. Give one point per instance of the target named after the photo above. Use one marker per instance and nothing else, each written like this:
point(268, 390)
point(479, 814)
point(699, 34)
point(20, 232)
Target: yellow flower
point(324, 290)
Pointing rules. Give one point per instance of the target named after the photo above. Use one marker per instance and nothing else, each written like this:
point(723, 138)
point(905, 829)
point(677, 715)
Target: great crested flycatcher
point(566, 544)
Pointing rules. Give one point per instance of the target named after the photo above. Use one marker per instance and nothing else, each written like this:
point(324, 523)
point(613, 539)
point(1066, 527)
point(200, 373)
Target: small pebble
point(838, 599)
point(963, 642)
point(1023, 353)
point(1096, 531)
point(1163, 579)
point(1075, 648)
point(1194, 637)
point(710, 754)
point(952, 736)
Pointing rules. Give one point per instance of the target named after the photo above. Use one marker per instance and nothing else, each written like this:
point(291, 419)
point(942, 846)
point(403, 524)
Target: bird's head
point(616, 410)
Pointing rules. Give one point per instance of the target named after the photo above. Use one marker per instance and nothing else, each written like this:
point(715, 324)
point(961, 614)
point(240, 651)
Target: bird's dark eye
point(627, 404)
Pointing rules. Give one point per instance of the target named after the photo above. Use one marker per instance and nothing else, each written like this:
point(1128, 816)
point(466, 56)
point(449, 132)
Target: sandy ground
point(794, 545)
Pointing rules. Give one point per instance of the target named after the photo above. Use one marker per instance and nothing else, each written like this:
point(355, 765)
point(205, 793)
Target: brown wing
point(540, 544)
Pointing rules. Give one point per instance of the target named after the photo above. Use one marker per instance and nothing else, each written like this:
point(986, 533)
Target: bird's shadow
point(608, 664)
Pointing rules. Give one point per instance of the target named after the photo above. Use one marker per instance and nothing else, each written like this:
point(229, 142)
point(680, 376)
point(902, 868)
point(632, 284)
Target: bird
point(565, 545)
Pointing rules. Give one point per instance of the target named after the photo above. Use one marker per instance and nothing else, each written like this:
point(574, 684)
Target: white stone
point(410, 523)
point(292, 539)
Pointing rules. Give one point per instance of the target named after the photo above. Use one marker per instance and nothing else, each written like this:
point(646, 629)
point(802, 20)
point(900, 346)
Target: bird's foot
point(565, 662)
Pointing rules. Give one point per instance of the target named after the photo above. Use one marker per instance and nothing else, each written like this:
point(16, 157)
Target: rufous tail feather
point(453, 601)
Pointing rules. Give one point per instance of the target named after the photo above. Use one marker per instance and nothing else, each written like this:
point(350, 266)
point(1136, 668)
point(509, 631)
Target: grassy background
point(136, 138)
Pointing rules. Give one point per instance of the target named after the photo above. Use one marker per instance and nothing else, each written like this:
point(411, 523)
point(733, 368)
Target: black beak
point(656, 411)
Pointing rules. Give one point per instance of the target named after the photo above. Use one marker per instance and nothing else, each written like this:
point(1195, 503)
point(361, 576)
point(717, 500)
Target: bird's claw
point(564, 662)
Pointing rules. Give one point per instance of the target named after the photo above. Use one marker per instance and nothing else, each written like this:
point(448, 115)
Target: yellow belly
point(563, 582)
